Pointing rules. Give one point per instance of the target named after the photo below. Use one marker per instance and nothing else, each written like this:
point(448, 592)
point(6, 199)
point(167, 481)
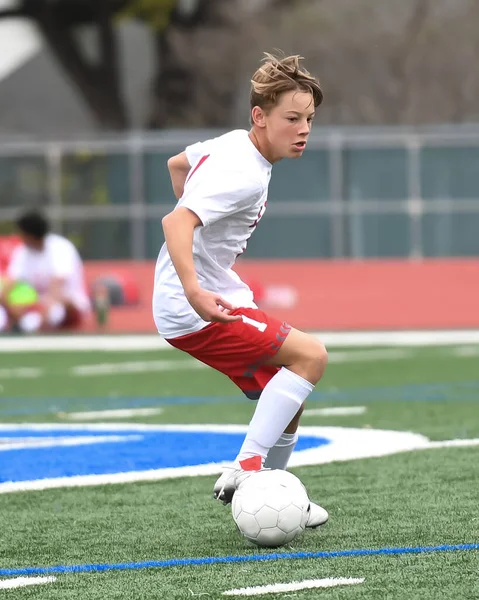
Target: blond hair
point(282, 74)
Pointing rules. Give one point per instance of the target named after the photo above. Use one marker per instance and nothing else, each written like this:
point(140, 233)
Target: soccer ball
point(270, 508)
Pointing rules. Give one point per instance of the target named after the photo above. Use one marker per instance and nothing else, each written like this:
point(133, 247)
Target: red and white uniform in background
point(227, 189)
point(59, 258)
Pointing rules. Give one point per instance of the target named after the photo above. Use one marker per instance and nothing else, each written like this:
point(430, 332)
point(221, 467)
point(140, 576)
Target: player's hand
point(212, 307)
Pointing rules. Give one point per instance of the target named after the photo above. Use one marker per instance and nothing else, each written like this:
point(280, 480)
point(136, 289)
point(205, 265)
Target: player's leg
point(4, 319)
point(306, 357)
point(59, 313)
point(272, 430)
point(279, 455)
point(294, 353)
point(241, 350)
point(302, 360)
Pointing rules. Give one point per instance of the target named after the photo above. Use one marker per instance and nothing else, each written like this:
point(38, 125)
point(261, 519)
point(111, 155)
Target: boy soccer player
point(202, 307)
point(46, 265)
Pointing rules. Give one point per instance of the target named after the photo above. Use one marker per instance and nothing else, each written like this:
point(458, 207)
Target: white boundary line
point(119, 413)
point(154, 342)
point(17, 582)
point(335, 411)
point(294, 586)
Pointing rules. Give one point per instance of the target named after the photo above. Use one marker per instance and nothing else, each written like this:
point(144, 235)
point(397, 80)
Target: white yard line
point(144, 366)
point(308, 584)
point(359, 339)
point(85, 440)
point(120, 413)
point(83, 343)
point(147, 366)
point(21, 373)
point(8, 584)
point(466, 351)
point(335, 356)
point(334, 411)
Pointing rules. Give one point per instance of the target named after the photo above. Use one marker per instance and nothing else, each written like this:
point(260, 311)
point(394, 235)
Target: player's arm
point(15, 273)
point(179, 167)
point(6, 287)
point(179, 227)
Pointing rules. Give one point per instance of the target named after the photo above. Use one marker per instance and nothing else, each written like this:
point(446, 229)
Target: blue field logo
point(42, 456)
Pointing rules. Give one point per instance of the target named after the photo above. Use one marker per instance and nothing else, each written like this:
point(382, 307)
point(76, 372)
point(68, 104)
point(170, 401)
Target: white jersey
point(59, 258)
point(227, 188)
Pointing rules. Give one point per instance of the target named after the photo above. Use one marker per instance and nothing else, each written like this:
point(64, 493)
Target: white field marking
point(368, 355)
point(83, 343)
point(53, 442)
point(466, 351)
point(120, 413)
point(294, 586)
point(24, 581)
point(144, 366)
point(360, 339)
point(21, 373)
point(346, 443)
point(334, 411)
point(454, 443)
point(147, 366)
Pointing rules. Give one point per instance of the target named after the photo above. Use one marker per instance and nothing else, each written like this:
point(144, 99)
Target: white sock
point(279, 455)
point(3, 318)
point(30, 322)
point(56, 314)
point(280, 400)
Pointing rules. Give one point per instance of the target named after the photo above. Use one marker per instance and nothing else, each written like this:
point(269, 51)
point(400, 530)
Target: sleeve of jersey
point(223, 197)
point(195, 152)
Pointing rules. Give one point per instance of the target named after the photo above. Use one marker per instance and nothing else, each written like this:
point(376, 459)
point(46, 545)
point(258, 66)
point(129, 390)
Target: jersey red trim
point(201, 161)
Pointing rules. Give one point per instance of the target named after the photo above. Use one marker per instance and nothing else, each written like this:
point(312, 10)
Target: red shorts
point(73, 318)
point(239, 349)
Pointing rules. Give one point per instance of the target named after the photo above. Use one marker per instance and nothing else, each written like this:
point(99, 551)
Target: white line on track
point(24, 581)
point(120, 413)
point(307, 584)
point(334, 411)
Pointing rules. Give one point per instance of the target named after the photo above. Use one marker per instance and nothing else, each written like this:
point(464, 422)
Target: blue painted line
point(188, 562)
point(445, 392)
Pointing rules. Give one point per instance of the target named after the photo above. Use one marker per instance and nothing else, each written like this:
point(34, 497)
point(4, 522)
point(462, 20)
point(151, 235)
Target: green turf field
point(409, 500)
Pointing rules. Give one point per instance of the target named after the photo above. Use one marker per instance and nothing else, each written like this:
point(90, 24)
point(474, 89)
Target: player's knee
point(55, 314)
point(315, 360)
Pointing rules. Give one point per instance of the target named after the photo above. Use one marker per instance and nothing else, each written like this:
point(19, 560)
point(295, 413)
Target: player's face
point(288, 125)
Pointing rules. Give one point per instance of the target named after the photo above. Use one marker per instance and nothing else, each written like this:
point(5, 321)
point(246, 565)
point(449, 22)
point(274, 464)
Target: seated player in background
point(202, 307)
point(44, 286)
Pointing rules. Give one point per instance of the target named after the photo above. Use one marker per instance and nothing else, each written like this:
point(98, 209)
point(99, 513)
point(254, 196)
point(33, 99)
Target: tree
point(408, 62)
point(97, 81)
point(197, 47)
point(194, 81)
point(386, 62)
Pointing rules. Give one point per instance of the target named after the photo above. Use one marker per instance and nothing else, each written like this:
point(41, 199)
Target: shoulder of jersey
point(60, 240)
point(233, 151)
